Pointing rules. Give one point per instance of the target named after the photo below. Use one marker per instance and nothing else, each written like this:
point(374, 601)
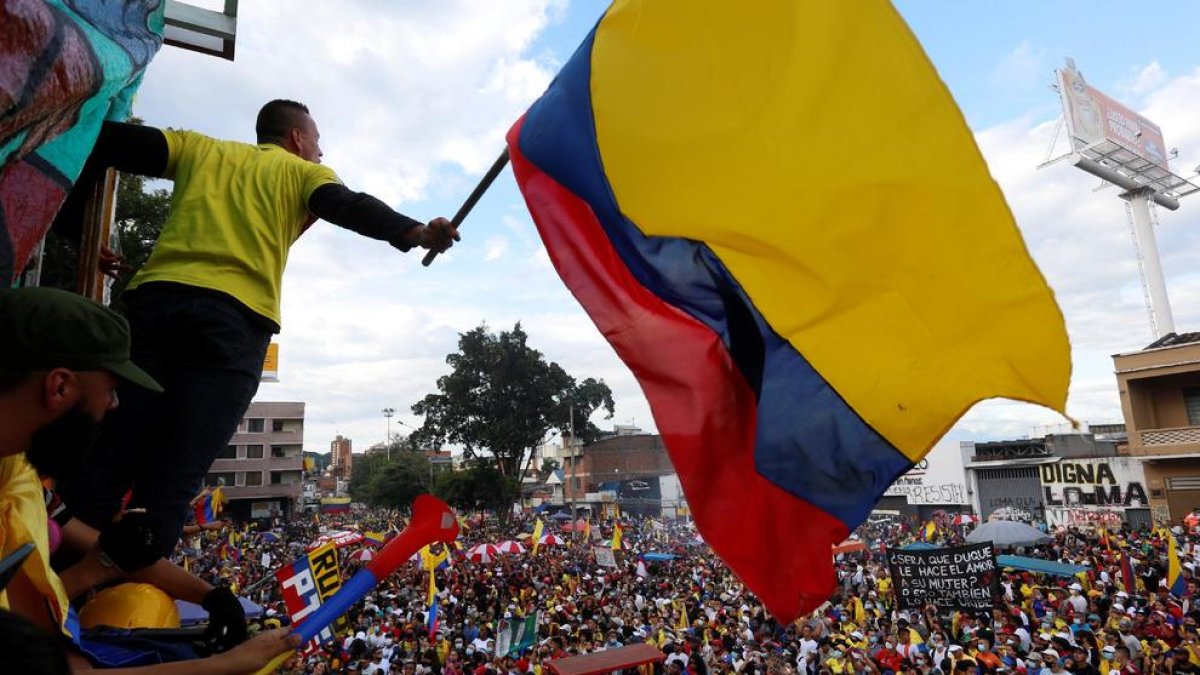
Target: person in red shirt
point(888, 658)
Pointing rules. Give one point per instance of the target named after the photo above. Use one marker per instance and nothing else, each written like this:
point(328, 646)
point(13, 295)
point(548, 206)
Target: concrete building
point(1062, 479)
point(262, 467)
point(631, 471)
point(341, 459)
point(1160, 399)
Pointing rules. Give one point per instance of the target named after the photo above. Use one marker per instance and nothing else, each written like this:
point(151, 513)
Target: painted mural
point(69, 65)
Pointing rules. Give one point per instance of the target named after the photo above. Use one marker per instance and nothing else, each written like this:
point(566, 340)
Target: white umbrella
point(510, 546)
point(964, 519)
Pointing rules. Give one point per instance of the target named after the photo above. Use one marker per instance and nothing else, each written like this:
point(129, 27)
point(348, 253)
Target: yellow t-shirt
point(23, 519)
point(235, 211)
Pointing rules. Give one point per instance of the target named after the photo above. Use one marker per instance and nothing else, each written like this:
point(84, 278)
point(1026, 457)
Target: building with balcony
point(1160, 398)
point(262, 466)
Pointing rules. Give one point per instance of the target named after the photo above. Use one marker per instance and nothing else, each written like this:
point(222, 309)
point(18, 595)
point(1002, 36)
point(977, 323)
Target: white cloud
point(1145, 79)
point(496, 248)
point(1022, 67)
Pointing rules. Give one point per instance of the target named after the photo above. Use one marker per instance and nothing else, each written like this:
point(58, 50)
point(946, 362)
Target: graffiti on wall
point(938, 478)
point(1108, 482)
point(1080, 517)
point(69, 65)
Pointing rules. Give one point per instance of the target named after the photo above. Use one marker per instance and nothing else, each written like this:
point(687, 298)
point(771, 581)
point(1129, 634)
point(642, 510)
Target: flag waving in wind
point(778, 217)
point(537, 534)
point(1175, 581)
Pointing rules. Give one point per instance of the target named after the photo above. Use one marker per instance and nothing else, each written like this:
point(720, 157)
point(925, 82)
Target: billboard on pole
point(1092, 116)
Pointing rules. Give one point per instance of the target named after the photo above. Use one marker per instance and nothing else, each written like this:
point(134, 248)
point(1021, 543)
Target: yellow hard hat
point(130, 606)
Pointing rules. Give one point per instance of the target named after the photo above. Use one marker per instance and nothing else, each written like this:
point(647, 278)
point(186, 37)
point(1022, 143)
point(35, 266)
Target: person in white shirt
point(1079, 604)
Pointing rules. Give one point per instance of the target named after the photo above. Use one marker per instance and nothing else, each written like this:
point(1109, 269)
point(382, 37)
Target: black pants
point(206, 350)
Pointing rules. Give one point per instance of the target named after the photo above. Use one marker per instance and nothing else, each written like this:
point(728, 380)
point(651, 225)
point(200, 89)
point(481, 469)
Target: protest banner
point(604, 556)
point(965, 577)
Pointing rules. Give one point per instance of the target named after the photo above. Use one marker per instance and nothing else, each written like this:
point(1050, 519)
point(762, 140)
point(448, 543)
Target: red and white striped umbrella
point(340, 539)
point(964, 519)
point(363, 555)
point(551, 540)
point(483, 553)
point(510, 546)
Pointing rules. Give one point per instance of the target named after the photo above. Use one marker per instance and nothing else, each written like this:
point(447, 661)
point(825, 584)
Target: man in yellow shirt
point(61, 357)
point(203, 308)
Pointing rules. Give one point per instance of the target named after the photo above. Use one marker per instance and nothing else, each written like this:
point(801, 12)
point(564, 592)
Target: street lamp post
point(387, 413)
point(430, 462)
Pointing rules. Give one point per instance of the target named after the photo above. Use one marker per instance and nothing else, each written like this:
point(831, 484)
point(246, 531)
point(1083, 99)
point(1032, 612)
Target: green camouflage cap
point(46, 328)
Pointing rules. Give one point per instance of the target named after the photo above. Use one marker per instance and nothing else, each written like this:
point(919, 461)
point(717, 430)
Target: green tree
point(502, 398)
point(400, 480)
point(548, 465)
point(377, 480)
point(480, 485)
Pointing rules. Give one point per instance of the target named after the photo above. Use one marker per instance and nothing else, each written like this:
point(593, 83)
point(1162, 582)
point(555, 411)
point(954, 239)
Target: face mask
point(61, 445)
point(470, 651)
point(982, 647)
point(890, 645)
point(835, 654)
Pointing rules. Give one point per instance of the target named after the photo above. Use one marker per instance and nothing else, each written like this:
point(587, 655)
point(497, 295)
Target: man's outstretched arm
point(370, 217)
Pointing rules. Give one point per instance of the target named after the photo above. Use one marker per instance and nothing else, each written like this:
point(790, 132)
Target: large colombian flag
point(779, 219)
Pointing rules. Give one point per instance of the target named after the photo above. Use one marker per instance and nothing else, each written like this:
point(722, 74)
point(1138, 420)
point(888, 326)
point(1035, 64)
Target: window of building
point(254, 452)
point(578, 484)
point(254, 425)
point(1191, 399)
point(229, 452)
point(276, 425)
point(253, 478)
point(277, 451)
point(276, 478)
point(216, 478)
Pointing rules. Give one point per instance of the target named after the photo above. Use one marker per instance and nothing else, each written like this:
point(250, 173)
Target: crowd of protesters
point(698, 613)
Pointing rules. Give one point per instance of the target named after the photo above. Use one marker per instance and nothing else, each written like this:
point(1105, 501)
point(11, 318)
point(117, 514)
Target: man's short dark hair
point(277, 118)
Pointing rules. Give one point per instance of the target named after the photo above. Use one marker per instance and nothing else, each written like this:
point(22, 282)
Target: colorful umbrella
point(268, 537)
point(340, 539)
point(483, 553)
point(625, 546)
point(363, 555)
point(510, 547)
point(551, 540)
point(964, 519)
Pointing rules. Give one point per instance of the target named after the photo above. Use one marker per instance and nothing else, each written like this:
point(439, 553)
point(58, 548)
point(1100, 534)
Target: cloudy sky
point(413, 99)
